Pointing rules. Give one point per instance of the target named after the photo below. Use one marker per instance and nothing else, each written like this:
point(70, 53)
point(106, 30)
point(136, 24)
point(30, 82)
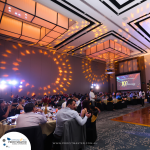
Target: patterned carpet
point(113, 135)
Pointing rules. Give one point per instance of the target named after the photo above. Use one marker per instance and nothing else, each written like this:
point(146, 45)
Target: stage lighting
point(10, 82)
point(91, 87)
point(20, 82)
point(14, 82)
point(2, 86)
point(97, 87)
point(20, 86)
point(3, 82)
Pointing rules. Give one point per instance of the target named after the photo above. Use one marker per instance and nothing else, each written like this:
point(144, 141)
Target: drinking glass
point(21, 111)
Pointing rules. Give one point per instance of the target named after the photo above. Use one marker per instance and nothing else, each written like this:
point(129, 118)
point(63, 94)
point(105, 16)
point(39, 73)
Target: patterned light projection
point(58, 86)
point(90, 76)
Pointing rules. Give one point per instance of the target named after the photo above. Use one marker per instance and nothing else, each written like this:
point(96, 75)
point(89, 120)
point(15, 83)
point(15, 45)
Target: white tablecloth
point(47, 128)
point(114, 100)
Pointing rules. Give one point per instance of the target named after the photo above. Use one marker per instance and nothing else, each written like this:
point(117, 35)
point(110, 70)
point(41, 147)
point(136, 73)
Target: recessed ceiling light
point(9, 10)
point(15, 13)
point(19, 15)
point(9, 7)
point(25, 14)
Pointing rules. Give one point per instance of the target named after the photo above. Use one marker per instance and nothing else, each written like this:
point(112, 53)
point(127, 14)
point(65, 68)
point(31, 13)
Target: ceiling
point(80, 25)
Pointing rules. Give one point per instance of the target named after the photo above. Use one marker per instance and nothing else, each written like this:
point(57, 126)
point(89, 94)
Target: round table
point(114, 100)
point(47, 128)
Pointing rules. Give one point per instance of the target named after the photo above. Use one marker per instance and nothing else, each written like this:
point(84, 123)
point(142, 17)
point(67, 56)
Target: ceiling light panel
point(26, 5)
point(43, 23)
point(1, 6)
point(109, 50)
point(0, 14)
point(18, 13)
point(11, 25)
point(59, 29)
point(28, 39)
point(63, 21)
point(53, 34)
point(9, 33)
point(31, 31)
point(46, 13)
point(47, 39)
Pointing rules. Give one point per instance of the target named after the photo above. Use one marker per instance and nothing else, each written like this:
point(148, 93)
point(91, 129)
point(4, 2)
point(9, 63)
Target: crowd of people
point(83, 108)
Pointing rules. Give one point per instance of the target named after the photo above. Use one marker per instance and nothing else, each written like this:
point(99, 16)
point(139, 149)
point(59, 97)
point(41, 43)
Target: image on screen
point(128, 82)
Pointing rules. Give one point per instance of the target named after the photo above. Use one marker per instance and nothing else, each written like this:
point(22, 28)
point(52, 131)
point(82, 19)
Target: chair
point(110, 106)
point(73, 133)
point(34, 135)
point(119, 104)
point(124, 103)
point(91, 134)
point(100, 105)
point(134, 100)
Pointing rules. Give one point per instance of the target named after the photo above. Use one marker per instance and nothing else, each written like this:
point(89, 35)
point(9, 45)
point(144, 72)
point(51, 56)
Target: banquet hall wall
point(147, 68)
point(44, 72)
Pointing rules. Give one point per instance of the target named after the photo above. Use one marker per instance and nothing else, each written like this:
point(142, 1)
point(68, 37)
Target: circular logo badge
point(14, 141)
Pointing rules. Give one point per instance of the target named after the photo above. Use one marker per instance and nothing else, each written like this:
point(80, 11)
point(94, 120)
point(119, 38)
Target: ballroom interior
point(56, 47)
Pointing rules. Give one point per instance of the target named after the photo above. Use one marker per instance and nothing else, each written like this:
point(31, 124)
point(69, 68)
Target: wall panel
point(47, 72)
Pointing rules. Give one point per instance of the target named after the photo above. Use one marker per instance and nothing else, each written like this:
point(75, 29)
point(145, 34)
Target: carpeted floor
point(113, 135)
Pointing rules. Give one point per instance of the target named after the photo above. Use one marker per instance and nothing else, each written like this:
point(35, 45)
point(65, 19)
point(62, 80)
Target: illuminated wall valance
point(108, 51)
point(31, 21)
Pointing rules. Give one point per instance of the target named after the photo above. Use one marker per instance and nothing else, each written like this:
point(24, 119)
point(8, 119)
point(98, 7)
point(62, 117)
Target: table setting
point(47, 128)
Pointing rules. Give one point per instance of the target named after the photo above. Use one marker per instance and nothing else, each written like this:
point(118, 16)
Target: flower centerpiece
point(45, 101)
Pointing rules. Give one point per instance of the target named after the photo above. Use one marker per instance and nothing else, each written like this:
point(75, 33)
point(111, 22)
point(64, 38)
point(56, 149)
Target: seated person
point(91, 134)
point(65, 103)
point(30, 118)
point(63, 99)
point(86, 108)
point(77, 101)
point(19, 106)
point(4, 112)
point(124, 96)
point(110, 99)
point(66, 114)
point(118, 96)
point(15, 102)
point(131, 95)
point(52, 102)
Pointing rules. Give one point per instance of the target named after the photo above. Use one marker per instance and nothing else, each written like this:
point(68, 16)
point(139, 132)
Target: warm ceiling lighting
point(53, 24)
point(116, 50)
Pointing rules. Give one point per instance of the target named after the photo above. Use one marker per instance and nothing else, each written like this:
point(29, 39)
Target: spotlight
point(91, 87)
point(97, 87)
point(20, 82)
point(25, 14)
point(10, 82)
point(20, 86)
point(9, 10)
point(15, 13)
point(2, 86)
point(14, 82)
point(3, 82)
point(19, 15)
point(9, 7)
